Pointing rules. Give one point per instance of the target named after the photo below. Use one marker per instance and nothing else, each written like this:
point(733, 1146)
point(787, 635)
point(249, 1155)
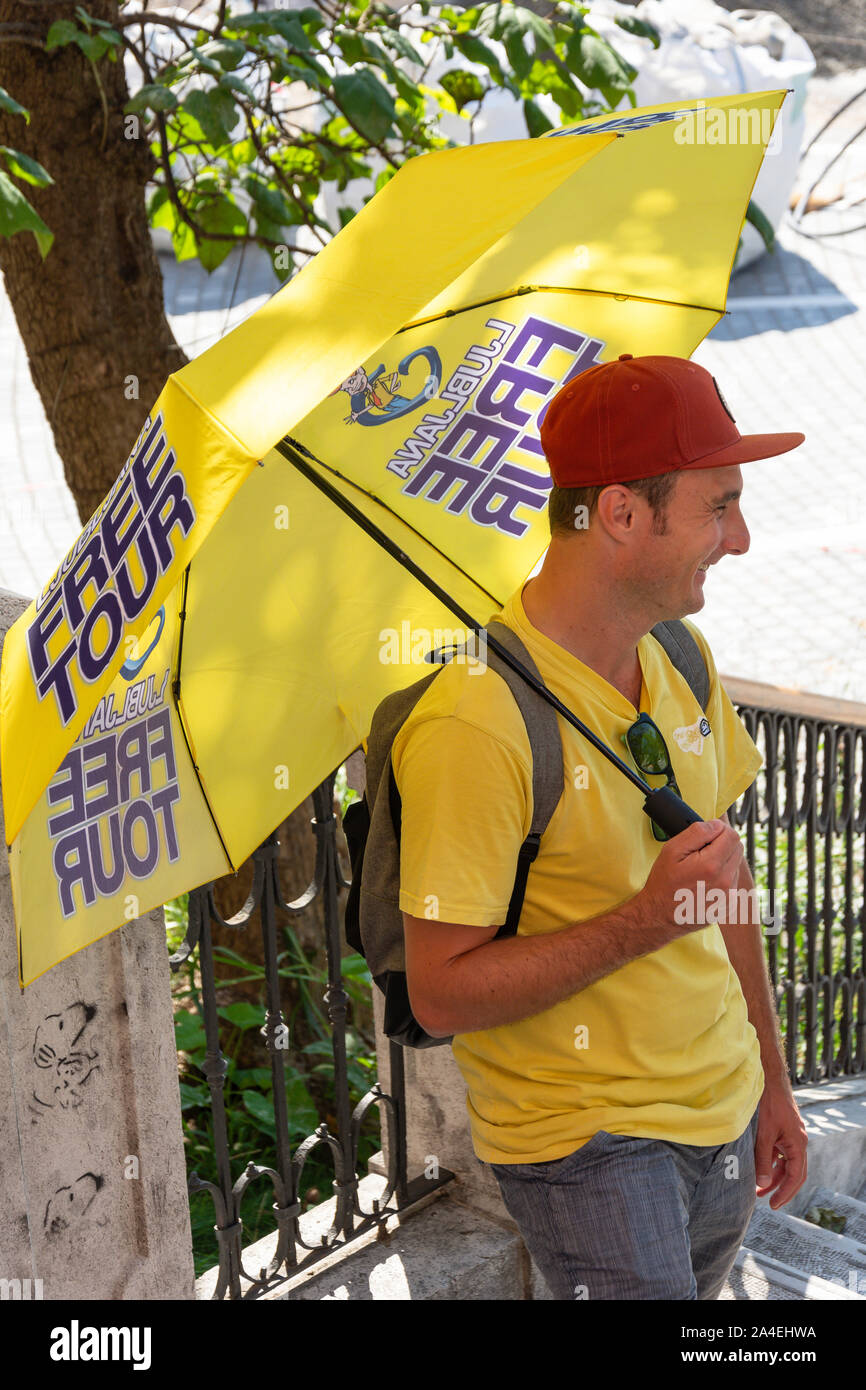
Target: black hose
point(795, 218)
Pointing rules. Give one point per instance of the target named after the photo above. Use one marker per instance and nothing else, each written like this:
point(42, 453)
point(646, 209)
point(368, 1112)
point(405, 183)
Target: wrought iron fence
point(804, 826)
point(350, 1220)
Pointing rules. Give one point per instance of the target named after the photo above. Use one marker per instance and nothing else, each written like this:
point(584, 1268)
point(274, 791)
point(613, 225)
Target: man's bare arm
point(746, 953)
point(460, 980)
point(781, 1165)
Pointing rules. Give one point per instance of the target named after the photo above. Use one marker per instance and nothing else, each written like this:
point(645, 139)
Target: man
point(616, 1049)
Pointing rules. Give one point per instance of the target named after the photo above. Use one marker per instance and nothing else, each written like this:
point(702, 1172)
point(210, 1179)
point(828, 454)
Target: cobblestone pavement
point(789, 355)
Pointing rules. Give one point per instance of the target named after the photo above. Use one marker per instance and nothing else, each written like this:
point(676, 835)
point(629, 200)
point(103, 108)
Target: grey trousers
point(626, 1218)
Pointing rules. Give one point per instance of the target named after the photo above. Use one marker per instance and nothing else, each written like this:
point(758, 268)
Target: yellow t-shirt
point(661, 1048)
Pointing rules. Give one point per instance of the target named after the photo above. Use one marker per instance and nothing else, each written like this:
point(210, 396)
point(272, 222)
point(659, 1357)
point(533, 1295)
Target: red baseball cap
point(641, 416)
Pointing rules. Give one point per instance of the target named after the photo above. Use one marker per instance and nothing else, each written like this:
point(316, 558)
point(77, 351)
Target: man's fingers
point(780, 1169)
point(792, 1170)
point(697, 837)
point(764, 1151)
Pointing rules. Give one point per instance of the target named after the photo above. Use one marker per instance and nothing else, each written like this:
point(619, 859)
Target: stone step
point(803, 1252)
point(760, 1278)
point(853, 1209)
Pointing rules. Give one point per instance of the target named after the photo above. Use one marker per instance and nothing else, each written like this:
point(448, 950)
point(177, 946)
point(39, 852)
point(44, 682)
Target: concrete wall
point(437, 1123)
point(92, 1171)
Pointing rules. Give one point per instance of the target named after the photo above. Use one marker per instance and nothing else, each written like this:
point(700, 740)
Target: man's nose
point(737, 539)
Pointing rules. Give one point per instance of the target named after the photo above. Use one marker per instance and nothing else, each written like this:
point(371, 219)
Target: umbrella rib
point(175, 690)
point(559, 289)
point(290, 451)
point(295, 443)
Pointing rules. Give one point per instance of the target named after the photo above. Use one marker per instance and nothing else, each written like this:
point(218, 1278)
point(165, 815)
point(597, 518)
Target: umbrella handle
point(669, 810)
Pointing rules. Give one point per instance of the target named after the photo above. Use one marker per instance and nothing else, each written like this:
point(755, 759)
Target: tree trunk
point(91, 315)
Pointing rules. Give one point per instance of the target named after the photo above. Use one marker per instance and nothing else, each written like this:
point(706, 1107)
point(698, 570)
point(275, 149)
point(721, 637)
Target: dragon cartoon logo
point(375, 398)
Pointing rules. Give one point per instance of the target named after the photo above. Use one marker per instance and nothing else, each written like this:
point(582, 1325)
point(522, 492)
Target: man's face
point(703, 523)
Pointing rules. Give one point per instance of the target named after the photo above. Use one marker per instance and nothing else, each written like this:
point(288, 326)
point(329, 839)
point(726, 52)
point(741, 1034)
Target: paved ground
point(789, 355)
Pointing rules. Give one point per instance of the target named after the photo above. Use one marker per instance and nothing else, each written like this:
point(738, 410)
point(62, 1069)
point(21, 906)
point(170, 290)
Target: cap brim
point(749, 447)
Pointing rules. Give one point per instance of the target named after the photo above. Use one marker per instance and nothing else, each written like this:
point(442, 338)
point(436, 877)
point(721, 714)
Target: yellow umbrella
point(216, 640)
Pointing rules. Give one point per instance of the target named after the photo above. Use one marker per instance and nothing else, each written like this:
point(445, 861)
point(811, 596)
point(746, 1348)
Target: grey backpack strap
point(380, 920)
point(685, 655)
point(545, 741)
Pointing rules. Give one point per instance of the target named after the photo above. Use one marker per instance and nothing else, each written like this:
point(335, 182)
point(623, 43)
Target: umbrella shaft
point(291, 451)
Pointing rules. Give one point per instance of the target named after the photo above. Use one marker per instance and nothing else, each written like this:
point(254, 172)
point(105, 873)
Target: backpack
point(373, 918)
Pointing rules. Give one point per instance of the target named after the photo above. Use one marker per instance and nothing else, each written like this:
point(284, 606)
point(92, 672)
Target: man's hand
point(708, 851)
point(780, 1145)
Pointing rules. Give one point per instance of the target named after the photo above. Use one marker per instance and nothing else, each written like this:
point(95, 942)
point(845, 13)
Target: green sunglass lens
point(648, 749)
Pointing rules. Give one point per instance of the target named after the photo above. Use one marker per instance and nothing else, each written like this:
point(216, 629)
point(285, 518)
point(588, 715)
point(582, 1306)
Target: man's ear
point(617, 509)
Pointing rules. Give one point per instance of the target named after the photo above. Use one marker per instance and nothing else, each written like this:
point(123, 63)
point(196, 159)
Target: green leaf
point(288, 27)
point(227, 52)
point(477, 52)
point(597, 66)
point(218, 215)
point(153, 96)
point(350, 45)
point(504, 21)
point(215, 112)
point(264, 227)
point(367, 104)
point(270, 200)
point(283, 271)
point(25, 167)
point(261, 1108)
point(183, 240)
point(194, 61)
point(550, 79)
point(8, 103)
point(17, 215)
point(303, 1116)
point(536, 121)
point(462, 87)
point(189, 1032)
point(93, 46)
point(312, 17)
point(237, 84)
point(300, 161)
point(410, 94)
point(193, 1097)
point(761, 224)
point(253, 1076)
point(185, 129)
point(512, 25)
point(518, 54)
point(354, 967)
point(384, 177)
point(392, 38)
point(644, 30)
point(243, 1015)
point(161, 213)
point(62, 32)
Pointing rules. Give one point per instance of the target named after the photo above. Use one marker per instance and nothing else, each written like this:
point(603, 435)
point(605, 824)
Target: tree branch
point(185, 216)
